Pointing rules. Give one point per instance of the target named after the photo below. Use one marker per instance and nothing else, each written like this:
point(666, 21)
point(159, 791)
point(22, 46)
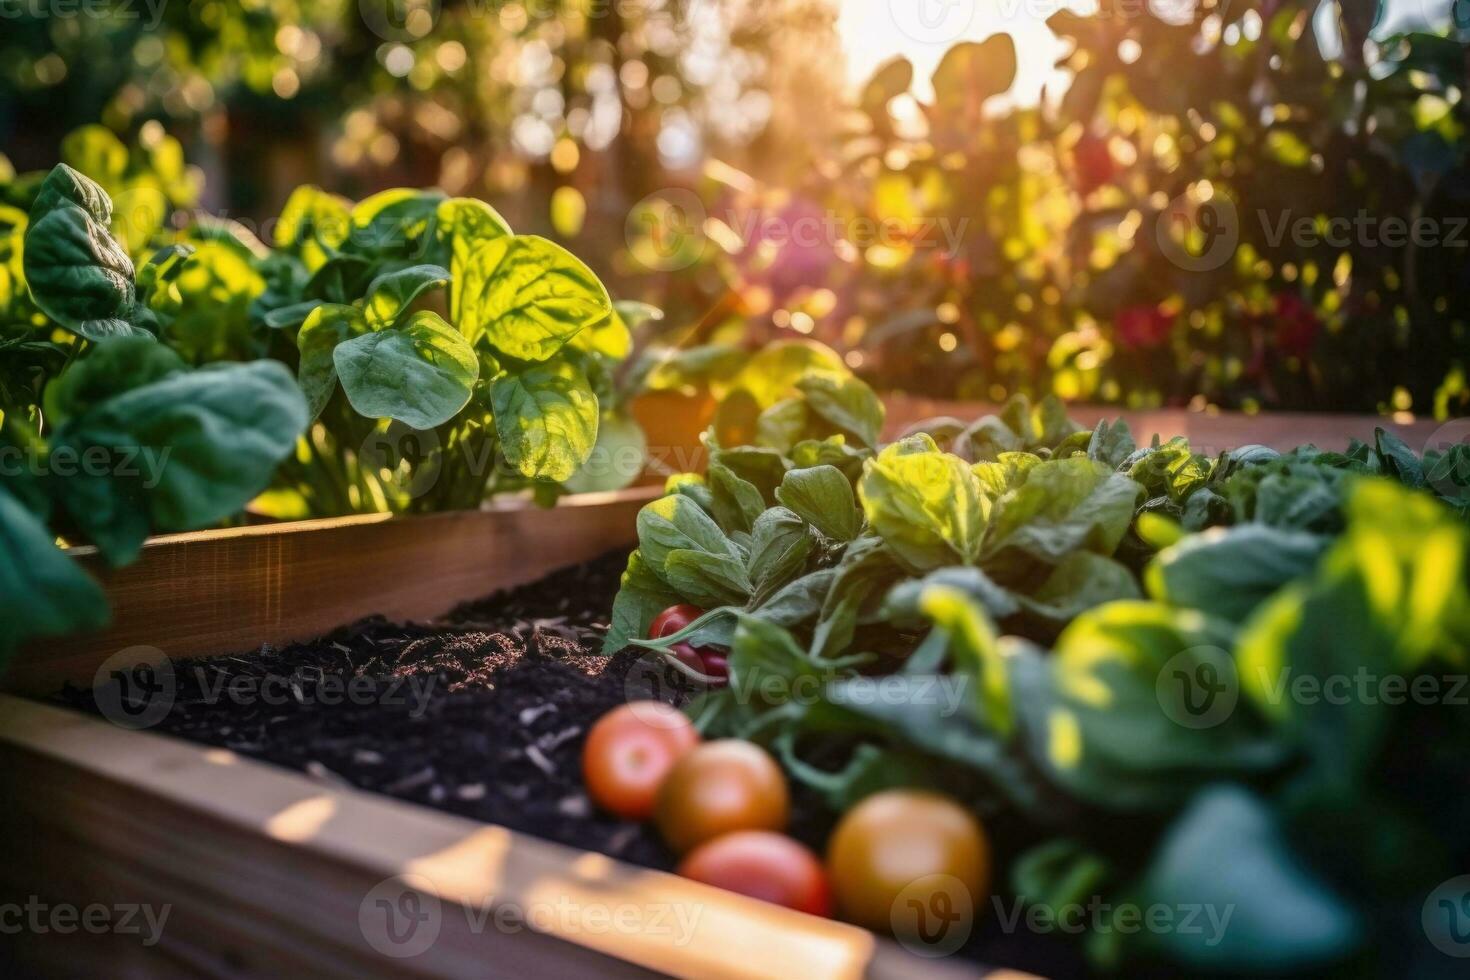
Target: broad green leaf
point(420, 373)
point(1079, 582)
point(96, 150)
point(393, 222)
point(765, 661)
point(1005, 473)
point(1062, 506)
point(798, 601)
point(78, 275)
point(43, 592)
point(773, 372)
point(1111, 444)
point(779, 546)
point(326, 326)
point(1228, 572)
point(1227, 853)
point(111, 368)
point(736, 502)
point(546, 417)
point(200, 444)
point(642, 595)
point(677, 523)
point(314, 224)
point(846, 403)
point(528, 297)
point(1148, 695)
point(392, 293)
point(976, 651)
point(822, 496)
point(926, 505)
point(903, 600)
point(462, 226)
point(707, 580)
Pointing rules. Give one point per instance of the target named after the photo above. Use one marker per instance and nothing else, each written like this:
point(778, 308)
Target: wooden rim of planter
point(271, 871)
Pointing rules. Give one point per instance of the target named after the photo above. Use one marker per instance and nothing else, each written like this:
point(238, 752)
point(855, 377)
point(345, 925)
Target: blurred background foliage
point(950, 235)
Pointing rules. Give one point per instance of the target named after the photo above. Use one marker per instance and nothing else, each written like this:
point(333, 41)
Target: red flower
point(1297, 325)
point(1143, 327)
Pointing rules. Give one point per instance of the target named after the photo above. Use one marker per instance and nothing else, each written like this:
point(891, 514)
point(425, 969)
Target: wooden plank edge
point(225, 591)
point(468, 867)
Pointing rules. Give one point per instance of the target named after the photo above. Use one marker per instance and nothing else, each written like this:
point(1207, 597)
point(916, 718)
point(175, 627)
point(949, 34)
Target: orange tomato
point(718, 788)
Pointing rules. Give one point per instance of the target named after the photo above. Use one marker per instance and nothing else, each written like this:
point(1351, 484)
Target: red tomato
point(672, 620)
point(768, 866)
point(630, 751)
point(710, 662)
point(718, 788)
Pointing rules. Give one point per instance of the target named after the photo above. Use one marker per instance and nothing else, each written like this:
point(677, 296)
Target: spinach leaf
point(78, 275)
point(546, 417)
point(43, 592)
point(420, 373)
point(926, 505)
point(391, 294)
point(822, 496)
point(527, 297)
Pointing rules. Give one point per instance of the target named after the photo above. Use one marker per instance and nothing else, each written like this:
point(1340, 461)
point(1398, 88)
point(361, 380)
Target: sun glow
point(874, 31)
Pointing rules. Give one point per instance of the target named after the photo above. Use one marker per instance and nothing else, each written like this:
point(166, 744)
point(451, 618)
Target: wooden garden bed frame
point(266, 871)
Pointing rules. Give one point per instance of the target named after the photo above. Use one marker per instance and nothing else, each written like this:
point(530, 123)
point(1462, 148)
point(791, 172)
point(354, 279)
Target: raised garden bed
point(281, 864)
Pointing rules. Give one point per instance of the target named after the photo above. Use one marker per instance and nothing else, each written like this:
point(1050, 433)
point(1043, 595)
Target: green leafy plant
point(127, 439)
point(999, 609)
point(424, 319)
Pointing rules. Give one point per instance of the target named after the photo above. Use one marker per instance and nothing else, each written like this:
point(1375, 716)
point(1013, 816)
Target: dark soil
point(482, 714)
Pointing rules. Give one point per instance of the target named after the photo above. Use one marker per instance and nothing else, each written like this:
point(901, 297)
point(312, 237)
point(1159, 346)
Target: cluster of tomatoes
point(724, 805)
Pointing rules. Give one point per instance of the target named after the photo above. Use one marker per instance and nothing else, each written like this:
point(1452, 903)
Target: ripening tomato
point(902, 850)
point(718, 788)
point(672, 620)
point(771, 867)
point(709, 661)
point(629, 753)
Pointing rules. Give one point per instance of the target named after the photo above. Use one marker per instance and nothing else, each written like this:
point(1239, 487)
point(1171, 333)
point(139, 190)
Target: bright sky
point(874, 31)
